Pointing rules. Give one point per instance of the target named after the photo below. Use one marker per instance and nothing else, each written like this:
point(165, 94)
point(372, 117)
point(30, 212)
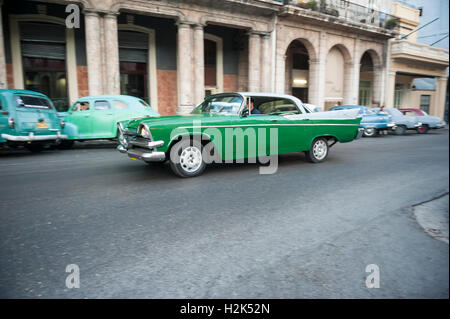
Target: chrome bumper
point(360, 133)
point(145, 151)
point(31, 137)
point(143, 155)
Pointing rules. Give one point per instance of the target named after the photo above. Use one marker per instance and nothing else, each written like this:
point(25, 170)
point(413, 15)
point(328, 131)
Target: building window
point(364, 93)
point(43, 50)
point(425, 103)
point(133, 57)
point(398, 95)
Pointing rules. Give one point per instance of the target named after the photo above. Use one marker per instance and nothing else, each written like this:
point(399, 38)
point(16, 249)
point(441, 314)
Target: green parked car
point(28, 118)
point(233, 126)
point(96, 117)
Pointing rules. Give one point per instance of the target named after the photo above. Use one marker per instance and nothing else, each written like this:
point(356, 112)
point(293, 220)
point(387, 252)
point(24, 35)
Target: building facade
point(174, 52)
point(412, 61)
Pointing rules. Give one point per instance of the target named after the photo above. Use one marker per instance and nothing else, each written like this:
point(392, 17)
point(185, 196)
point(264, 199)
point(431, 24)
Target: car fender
point(71, 130)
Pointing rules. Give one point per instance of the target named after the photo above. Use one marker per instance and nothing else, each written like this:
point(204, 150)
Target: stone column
point(377, 84)
point(321, 72)
point(280, 72)
point(313, 81)
point(93, 52)
point(3, 79)
point(254, 62)
point(265, 63)
point(184, 56)
point(112, 81)
point(352, 94)
point(351, 83)
point(439, 100)
point(199, 64)
point(390, 89)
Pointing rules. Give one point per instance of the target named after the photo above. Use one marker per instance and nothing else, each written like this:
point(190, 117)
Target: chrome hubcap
point(191, 159)
point(370, 131)
point(320, 149)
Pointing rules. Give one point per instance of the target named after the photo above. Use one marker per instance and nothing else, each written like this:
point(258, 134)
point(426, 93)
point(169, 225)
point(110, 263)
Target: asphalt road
point(308, 231)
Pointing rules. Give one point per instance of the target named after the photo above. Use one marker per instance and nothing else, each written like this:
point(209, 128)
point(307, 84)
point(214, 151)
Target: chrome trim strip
point(247, 125)
point(32, 137)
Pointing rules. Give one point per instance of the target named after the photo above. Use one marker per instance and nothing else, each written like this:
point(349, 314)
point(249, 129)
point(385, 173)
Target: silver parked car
point(402, 122)
point(428, 121)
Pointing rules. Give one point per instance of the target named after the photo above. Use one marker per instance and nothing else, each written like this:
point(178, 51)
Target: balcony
point(348, 13)
point(407, 50)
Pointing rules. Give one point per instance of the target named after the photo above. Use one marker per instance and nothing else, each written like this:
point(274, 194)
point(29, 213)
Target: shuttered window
point(133, 46)
point(43, 40)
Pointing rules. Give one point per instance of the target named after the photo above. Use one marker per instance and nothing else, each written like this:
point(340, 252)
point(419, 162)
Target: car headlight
point(144, 131)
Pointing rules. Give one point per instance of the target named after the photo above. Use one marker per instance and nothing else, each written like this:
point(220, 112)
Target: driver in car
point(253, 110)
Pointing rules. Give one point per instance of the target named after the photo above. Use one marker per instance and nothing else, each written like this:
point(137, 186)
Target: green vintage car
point(96, 117)
point(29, 119)
point(230, 127)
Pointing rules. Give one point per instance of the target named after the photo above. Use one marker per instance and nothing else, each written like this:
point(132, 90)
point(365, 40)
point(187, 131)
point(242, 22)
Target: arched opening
point(297, 71)
point(366, 79)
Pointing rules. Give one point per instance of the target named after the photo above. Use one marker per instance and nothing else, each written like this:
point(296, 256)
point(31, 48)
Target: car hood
point(170, 119)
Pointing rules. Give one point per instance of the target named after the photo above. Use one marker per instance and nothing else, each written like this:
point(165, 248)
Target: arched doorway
point(297, 71)
point(366, 80)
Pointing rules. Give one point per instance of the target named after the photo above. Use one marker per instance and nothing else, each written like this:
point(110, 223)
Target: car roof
point(19, 91)
point(110, 96)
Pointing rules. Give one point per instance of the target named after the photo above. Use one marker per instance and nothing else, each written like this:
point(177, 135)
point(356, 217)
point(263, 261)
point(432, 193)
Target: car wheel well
point(203, 139)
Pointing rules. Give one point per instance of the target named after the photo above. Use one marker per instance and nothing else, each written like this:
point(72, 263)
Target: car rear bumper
point(360, 133)
point(32, 137)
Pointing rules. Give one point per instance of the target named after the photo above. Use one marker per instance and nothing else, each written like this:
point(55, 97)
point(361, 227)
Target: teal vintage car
point(96, 117)
point(28, 118)
point(233, 126)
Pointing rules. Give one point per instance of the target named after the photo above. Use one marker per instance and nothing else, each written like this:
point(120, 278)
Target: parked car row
point(376, 121)
point(29, 118)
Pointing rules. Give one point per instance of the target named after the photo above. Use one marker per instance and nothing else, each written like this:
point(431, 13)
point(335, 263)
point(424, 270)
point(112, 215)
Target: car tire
point(186, 158)
point(66, 145)
point(370, 132)
point(422, 129)
point(400, 130)
point(318, 151)
point(34, 147)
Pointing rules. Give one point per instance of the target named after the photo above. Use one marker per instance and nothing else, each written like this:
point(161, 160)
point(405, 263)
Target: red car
point(428, 121)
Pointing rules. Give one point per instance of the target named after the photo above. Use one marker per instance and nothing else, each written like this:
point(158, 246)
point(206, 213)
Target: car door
point(103, 119)
point(285, 116)
point(273, 132)
point(79, 115)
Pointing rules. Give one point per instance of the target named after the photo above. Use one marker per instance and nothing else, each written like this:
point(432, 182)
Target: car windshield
point(222, 104)
point(33, 102)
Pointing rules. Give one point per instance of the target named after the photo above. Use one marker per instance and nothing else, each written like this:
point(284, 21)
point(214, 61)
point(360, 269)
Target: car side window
point(278, 106)
point(119, 105)
point(102, 106)
point(80, 106)
point(410, 113)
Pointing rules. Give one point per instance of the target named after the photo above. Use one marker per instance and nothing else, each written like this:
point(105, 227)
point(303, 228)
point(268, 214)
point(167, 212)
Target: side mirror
point(245, 112)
